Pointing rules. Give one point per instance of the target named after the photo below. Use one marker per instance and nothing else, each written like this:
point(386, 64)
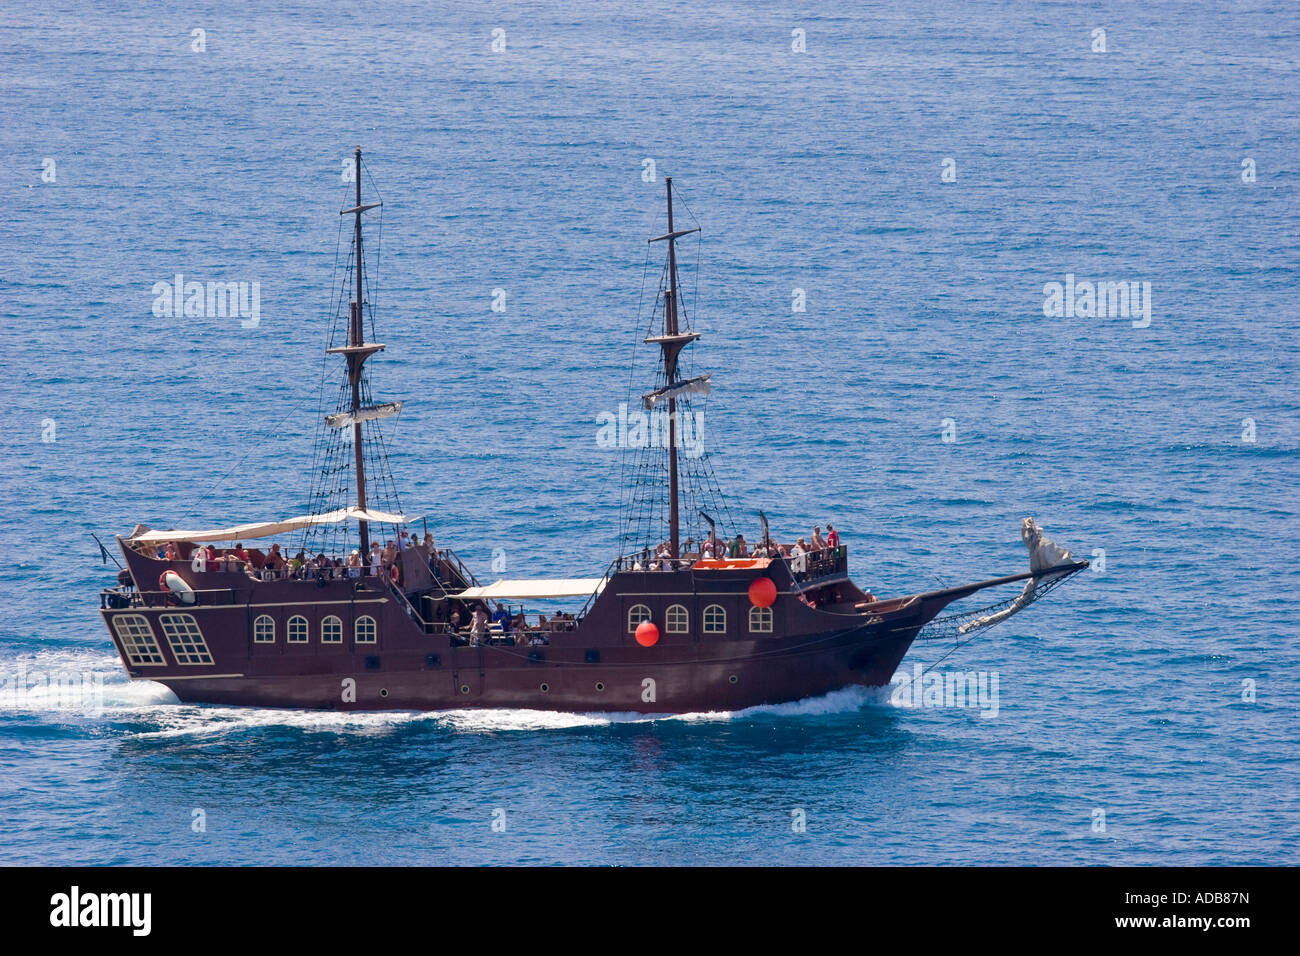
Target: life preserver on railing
point(175, 585)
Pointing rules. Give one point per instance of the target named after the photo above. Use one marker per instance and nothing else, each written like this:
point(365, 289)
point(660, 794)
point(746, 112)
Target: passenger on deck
point(478, 626)
point(543, 623)
point(818, 543)
point(501, 617)
point(429, 545)
point(389, 556)
point(275, 560)
point(832, 536)
point(376, 558)
point(517, 629)
point(798, 557)
point(354, 563)
point(760, 551)
point(707, 553)
point(455, 621)
point(241, 554)
point(742, 547)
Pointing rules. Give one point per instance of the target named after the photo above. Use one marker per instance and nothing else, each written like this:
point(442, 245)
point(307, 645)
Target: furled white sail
point(363, 414)
point(699, 385)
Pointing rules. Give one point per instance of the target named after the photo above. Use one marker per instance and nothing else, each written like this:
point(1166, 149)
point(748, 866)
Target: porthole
point(545, 688)
point(732, 678)
point(464, 688)
point(383, 692)
point(599, 686)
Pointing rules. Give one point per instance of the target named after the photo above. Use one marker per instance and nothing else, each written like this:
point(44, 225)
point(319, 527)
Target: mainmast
point(357, 351)
point(672, 342)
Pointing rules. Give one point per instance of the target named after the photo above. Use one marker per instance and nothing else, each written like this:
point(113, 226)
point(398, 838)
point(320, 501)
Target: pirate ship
point(673, 625)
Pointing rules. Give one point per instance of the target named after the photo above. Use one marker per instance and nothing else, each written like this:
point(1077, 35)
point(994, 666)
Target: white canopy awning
point(268, 529)
point(534, 588)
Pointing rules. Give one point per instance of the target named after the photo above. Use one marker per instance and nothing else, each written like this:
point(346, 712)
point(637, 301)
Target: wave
point(200, 721)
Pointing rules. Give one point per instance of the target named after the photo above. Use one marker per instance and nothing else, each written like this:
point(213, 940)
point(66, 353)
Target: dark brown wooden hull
point(501, 676)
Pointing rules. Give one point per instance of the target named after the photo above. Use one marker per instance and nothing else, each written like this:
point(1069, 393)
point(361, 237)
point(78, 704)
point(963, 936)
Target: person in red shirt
point(832, 536)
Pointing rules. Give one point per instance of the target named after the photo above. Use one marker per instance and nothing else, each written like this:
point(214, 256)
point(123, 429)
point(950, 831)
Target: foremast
point(672, 342)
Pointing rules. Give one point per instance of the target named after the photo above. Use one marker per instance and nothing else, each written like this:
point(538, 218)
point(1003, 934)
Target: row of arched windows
point(677, 620)
point(298, 630)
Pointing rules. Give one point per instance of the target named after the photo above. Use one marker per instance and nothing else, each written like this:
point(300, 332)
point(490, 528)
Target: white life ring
point(177, 586)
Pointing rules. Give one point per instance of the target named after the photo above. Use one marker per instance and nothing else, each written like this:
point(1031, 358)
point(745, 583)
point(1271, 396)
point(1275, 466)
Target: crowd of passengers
point(476, 627)
point(277, 564)
point(714, 548)
point(472, 623)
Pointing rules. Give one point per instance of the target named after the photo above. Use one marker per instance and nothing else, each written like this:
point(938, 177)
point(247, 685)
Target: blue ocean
point(905, 212)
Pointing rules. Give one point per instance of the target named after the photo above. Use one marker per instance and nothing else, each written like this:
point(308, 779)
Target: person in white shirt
point(798, 560)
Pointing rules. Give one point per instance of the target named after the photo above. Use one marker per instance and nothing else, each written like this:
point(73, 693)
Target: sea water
point(889, 197)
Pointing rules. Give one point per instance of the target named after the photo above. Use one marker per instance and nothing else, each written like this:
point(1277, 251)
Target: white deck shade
point(534, 589)
point(267, 529)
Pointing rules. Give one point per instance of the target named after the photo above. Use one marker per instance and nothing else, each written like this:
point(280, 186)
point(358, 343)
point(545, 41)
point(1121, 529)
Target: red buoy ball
point(762, 592)
point(647, 635)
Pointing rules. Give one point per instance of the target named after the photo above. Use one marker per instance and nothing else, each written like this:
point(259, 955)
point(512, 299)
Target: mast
point(357, 351)
point(670, 368)
point(672, 342)
point(355, 338)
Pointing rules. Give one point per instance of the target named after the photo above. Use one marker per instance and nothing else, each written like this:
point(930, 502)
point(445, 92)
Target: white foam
point(188, 720)
point(843, 701)
point(92, 682)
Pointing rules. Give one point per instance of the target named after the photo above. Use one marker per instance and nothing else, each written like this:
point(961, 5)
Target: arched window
point(297, 630)
point(760, 620)
point(264, 629)
point(678, 620)
point(715, 619)
point(637, 614)
point(366, 630)
point(331, 630)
